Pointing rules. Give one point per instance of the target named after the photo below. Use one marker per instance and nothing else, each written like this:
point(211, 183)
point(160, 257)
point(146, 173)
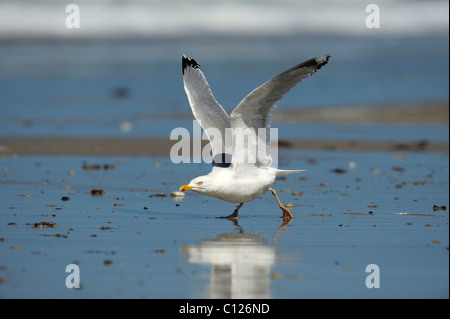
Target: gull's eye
point(199, 183)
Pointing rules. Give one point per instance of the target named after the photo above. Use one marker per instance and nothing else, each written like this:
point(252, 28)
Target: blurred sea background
point(120, 72)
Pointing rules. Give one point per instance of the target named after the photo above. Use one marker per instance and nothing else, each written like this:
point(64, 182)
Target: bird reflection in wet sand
point(240, 263)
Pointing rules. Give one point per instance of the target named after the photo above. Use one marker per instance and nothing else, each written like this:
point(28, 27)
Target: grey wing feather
point(255, 110)
point(205, 108)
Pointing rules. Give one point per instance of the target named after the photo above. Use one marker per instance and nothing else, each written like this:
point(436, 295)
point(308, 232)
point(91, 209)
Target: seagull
point(241, 172)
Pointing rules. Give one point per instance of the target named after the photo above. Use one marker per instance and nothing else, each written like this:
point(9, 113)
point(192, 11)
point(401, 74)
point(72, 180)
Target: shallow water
point(90, 88)
point(136, 242)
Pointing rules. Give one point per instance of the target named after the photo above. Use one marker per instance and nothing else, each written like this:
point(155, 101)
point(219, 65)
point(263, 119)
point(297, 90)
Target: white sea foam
point(108, 18)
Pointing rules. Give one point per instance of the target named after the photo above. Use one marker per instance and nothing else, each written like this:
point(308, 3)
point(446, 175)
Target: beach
point(428, 114)
point(105, 204)
point(90, 205)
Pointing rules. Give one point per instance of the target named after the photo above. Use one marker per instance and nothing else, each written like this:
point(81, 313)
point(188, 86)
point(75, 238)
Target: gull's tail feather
point(288, 171)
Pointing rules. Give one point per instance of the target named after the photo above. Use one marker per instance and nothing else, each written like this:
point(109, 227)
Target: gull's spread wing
point(255, 111)
point(205, 108)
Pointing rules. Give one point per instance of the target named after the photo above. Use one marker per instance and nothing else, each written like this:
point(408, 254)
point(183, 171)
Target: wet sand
point(418, 113)
point(104, 204)
point(115, 218)
point(136, 146)
point(429, 113)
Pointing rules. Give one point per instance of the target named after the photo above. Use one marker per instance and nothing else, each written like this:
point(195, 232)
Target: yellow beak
point(185, 188)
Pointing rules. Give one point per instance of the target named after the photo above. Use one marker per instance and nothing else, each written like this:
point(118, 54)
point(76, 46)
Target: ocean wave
point(177, 18)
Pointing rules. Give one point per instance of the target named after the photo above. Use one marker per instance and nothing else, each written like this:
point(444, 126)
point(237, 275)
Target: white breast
point(242, 186)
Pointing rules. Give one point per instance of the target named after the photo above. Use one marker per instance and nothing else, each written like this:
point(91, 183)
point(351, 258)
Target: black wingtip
point(322, 60)
point(189, 62)
point(315, 63)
